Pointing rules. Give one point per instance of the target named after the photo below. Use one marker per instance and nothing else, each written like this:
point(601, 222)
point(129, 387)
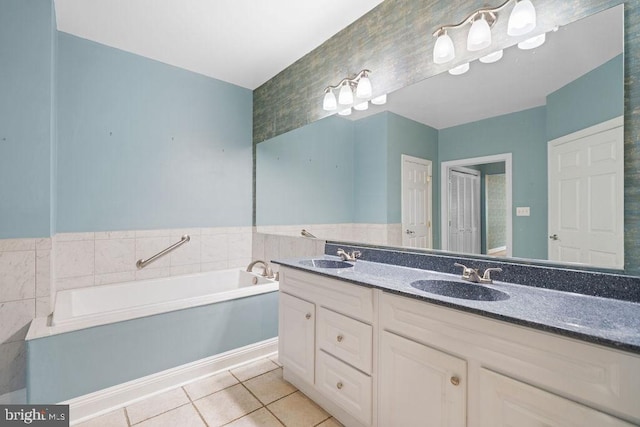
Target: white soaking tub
point(98, 305)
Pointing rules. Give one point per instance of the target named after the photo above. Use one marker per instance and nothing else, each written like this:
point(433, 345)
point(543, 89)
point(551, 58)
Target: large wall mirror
point(518, 158)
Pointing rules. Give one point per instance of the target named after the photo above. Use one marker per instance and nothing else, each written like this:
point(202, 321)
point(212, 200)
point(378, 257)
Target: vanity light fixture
point(521, 21)
point(533, 42)
point(362, 106)
point(492, 57)
point(362, 86)
point(379, 100)
point(346, 112)
point(460, 69)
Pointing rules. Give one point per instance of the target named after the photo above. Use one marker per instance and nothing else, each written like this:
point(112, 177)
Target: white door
point(586, 199)
point(416, 202)
point(296, 336)
point(464, 210)
point(420, 386)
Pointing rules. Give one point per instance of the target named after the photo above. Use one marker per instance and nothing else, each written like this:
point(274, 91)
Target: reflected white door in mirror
point(586, 192)
point(416, 202)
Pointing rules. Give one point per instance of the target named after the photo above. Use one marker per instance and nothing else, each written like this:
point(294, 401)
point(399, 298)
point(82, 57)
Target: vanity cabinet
point(326, 343)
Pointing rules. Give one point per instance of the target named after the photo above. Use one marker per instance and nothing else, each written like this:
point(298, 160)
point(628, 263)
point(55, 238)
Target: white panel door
point(416, 202)
point(505, 402)
point(586, 199)
point(420, 386)
point(464, 210)
point(296, 336)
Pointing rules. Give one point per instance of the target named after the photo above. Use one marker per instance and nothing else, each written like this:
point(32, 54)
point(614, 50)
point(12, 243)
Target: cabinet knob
point(339, 385)
point(455, 380)
point(308, 316)
point(339, 338)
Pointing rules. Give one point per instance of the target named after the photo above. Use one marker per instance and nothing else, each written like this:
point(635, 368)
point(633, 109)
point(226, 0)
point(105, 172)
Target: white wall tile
point(146, 247)
point(17, 245)
point(214, 266)
point(179, 270)
point(12, 366)
point(241, 263)
point(131, 234)
point(106, 279)
point(74, 258)
point(71, 237)
point(153, 233)
point(115, 255)
point(215, 248)
point(74, 282)
point(152, 273)
point(15, 317)
point(17, 275)
point(44, 244)
point(43, 273)
point(43, 307)
point(240, 245)
point(257, 246)
point(189, 253)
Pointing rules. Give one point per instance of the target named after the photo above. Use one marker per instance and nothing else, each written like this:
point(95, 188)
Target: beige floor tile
point(227, 405)
point(297, 410)
point(254, 369)
point(156, 405)
point(184, 416)
point(111, 419)
point(270, 386)
point(275, 360)
point(210, 385)
point(259, 418)
point(331, 422)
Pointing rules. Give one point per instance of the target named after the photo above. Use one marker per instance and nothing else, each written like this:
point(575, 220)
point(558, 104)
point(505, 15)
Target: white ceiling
point(522, 79)
point(244, 42)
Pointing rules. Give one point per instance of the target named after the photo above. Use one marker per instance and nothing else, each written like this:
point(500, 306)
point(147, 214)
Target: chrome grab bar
point(142, 263)
point(305, 233)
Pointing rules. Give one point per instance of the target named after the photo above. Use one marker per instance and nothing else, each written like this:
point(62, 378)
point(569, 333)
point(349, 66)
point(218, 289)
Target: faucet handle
point(466, 271)
point(356, 254)
point(486, 277)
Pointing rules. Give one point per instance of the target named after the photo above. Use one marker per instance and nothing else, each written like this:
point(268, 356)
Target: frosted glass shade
point(492, 57)
point(363, 90)
point(522, 19)
point(346, 112)
point(379, 100)
point(479, 35)
point(443, 51)
point(362, 106)
point(533, 42)
point(329, 103)
point(460, 69)
point(346, 95)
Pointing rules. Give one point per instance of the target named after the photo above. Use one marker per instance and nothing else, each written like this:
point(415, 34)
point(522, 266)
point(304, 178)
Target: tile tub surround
point(100, 258)
point(254, 394)
point(373, 234)
point(25, 277)
point(606, 321)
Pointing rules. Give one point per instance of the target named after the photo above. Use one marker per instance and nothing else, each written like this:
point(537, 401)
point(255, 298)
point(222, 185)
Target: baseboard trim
point(103, 401)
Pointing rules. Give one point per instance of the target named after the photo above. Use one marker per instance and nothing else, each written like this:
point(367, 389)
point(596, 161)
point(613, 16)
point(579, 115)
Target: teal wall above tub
point(146, 145)
point(27, 115)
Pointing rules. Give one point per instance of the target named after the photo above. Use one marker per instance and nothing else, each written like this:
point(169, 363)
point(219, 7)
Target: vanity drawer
point(345, 386)
point(348, 339)
point(352, 300)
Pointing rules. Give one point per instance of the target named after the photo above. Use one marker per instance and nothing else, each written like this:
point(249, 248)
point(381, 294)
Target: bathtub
point(109, 336)
point(97, 305)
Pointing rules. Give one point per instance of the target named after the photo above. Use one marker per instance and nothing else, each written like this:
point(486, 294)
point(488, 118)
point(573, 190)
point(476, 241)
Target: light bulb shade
point(522, 19)
point(533, 42)
point(362, 106)
point(346, 95)
point(479, 35)
point(460, 69)
point(379, 100)
point(443, 51)
point(363, 90)
point(346, 112)
point(329, 103)
point(492, 57)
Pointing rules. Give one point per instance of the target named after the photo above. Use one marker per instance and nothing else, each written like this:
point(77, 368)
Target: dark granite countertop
point(610, 322)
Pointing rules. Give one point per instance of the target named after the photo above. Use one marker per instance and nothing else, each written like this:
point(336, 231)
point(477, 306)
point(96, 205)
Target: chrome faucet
point(353, 256)
point(266, 270)
point(472, 274)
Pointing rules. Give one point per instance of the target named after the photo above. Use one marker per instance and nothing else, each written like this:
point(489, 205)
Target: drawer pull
point(455, 380)
point(339, 338)
point(339, 385)
point(308, 316)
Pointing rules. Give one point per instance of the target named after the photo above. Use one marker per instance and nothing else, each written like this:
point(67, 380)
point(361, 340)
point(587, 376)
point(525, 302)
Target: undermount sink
point(462, 290)
point(325, 263)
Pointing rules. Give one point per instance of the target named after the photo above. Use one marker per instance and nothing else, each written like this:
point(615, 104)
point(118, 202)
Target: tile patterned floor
point(251, 395)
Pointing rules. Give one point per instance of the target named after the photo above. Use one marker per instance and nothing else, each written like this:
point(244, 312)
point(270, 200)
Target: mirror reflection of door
point(464, 210)
point(416, 202)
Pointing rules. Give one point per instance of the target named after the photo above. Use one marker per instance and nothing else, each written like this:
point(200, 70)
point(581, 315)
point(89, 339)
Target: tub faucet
point(353, 256)
point(266, 270)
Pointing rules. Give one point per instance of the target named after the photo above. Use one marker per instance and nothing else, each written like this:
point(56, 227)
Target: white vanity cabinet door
point(420, 386)
point(296, 341)
point(507, 402)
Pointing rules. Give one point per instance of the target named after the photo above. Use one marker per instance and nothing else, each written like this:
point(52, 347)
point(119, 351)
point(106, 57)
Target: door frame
point(444, 194)
point(429, 164)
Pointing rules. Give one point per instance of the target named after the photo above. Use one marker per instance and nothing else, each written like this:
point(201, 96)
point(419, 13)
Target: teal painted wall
point(524, 135)
point(371, 168)
point(145, 145)
point(306, 176)
point(27, 136)
point(75, 363)
point(591, 99)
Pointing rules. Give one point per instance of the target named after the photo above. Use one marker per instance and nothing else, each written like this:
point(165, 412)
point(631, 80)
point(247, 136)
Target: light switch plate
point(523, 211)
